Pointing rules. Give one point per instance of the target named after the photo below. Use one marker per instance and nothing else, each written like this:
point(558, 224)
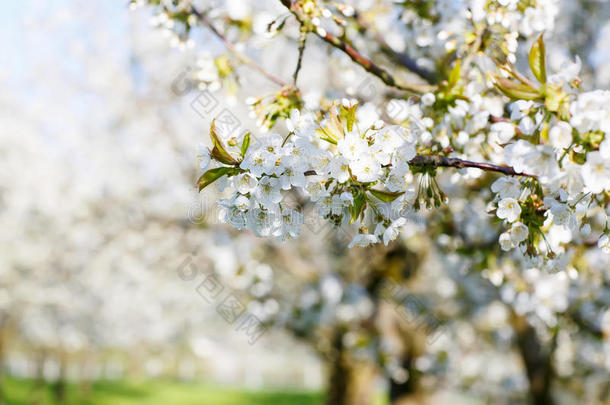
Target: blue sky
point(41, 31)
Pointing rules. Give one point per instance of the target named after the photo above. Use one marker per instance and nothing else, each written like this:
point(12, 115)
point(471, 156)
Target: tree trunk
point(85, 383)
point(360, 386)
point(403, 392)
point(1, 362)
point(537, 361)
point(38, 389)
point(349, 382)
point(336, 392)
point(395, 323)
point(59, 388)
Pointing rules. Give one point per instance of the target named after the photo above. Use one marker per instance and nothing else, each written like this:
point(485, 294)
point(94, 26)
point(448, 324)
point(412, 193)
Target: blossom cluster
point(341, 168)
point(370, 173)
point(364, 175)
point(526, 17)
point(559, 139)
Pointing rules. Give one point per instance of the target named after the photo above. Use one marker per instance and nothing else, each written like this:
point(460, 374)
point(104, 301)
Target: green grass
point(25, 392)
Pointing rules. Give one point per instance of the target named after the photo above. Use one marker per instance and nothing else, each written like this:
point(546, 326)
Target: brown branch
point(443, 161)
point(356, 56)
point(398, 57)
point(537, 359)
point(302, 41)
point(231, 47)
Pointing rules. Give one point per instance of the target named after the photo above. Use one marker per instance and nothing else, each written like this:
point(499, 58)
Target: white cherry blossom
point(509, 209)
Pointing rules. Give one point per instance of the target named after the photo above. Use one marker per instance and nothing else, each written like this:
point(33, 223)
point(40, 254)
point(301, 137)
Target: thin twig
point(401, 58)
point(302, 40)
point(231, 47)
point(357, 57)
point(474, 48)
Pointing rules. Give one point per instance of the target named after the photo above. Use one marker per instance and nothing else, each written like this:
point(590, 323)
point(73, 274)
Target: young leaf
point(325, 136)
point(245, 144)
point(516, 90)
point(212, 175)
point(356, 209)
point(350, 116)
point(517, 75)
point(385, 196)
point(219, 152)
point(537, 60)
point(454, 76)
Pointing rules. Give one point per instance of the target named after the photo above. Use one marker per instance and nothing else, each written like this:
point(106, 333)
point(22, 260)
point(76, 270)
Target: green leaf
point(245, 144)
point(350, 116)
point(329, 140)
point(219, 152)
point(516, 90)
point(385, 196)
point(212, 175)
point(356, 209)
point(454, 76)
point(325, 136)
point(537, 60)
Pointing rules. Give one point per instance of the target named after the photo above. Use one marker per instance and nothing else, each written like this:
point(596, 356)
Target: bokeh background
point(99, 212)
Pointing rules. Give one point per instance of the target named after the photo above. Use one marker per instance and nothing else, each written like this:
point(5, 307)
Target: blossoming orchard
point(348, 202)
point(479, 118)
